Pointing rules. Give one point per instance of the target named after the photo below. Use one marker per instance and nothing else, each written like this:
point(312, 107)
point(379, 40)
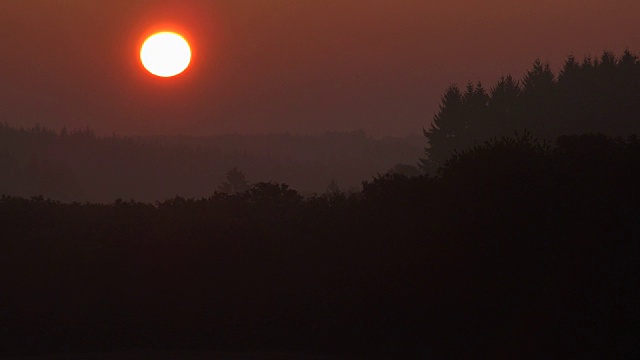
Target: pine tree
point(504, 108)
point(447, 124)
point(458, 124)
point(539, 101)
point(476, 112)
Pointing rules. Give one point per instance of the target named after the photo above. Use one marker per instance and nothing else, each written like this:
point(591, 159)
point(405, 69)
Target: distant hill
point(80, 166)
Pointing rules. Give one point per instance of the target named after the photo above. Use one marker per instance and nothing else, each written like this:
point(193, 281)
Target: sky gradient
point(270, 66)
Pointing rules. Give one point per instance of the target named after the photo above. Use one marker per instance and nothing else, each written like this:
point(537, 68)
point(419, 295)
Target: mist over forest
point(80, 166)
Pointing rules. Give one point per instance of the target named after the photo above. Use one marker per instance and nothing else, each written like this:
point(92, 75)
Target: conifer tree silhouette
point(538, 100)
point(447, 124)
point(592, 95)
point(504, 108)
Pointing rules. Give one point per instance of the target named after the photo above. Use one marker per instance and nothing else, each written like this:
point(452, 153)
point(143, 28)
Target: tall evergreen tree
point(504, 108)
point(447, 124)
point(629, 75)
point(476, 109)
point(457, 125)
point(539, 100)
point(574, 91)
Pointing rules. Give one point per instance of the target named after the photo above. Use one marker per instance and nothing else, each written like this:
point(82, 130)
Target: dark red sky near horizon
point(271, 66)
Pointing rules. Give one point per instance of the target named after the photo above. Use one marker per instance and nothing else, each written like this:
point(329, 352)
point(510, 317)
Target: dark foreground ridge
point(514, 250)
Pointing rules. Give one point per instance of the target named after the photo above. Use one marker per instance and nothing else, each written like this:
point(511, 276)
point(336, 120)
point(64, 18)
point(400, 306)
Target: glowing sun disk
point(165, 54)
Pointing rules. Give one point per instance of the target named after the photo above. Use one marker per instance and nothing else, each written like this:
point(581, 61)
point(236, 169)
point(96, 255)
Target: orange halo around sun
point(165, 54)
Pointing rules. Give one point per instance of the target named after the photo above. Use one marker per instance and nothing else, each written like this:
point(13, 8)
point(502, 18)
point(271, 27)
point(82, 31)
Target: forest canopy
point(513, 248)
point(598, 95)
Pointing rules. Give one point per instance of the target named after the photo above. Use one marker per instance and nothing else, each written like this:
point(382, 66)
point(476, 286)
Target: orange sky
point(301, 66)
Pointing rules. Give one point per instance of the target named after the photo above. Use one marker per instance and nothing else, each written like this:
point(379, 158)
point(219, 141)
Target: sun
point(165, 54)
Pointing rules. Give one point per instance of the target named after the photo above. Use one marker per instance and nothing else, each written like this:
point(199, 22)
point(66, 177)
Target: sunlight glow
point(165, 54)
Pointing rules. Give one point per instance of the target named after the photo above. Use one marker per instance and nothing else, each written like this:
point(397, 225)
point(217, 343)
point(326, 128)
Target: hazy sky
point(303, 66)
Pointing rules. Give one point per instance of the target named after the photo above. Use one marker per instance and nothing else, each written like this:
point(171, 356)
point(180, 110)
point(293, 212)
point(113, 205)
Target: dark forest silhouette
point(517, 246)
point(516, 249)
point(593, 95)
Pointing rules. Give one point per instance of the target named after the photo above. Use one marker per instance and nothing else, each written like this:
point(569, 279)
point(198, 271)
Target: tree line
point(78, 165)
point(588, 95)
